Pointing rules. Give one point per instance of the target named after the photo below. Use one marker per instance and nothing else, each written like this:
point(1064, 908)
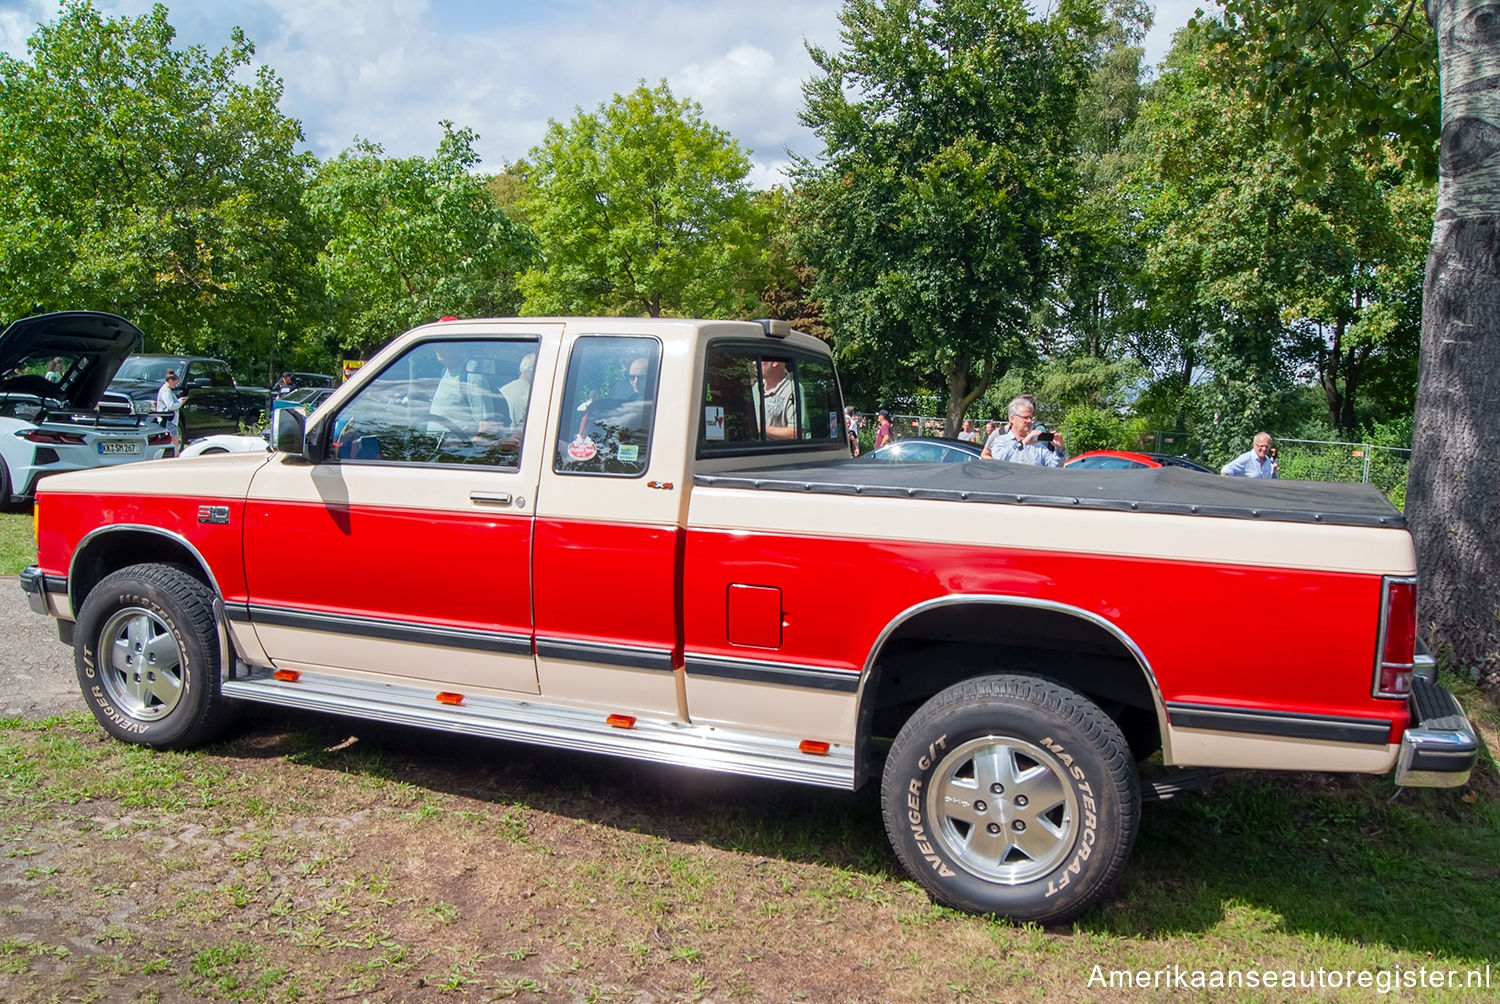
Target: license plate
point(116, 446)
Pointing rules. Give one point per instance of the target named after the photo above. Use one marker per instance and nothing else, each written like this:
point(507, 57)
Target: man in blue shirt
point(1022, 442)
point(1260, 462)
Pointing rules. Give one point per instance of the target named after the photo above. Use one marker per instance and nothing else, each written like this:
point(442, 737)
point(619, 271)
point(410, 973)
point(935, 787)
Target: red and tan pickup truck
point(645, 538)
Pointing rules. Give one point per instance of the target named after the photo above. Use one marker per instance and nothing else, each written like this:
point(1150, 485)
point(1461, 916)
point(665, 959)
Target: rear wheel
point(146, 649)
point(1013, 796)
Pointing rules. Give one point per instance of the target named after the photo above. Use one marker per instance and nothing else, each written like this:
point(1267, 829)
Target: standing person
point(169, 404)
point(851, 425)
point(285, 385)
point(883, 428)
point(969, 433)
point(1259, 462)
point(1023, 442)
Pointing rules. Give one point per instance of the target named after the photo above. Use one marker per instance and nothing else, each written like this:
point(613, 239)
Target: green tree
point(930, 216)
point(1370, 62)
point(411, 240)
point(1272, 274)
point(642, 207)
point(153, 182)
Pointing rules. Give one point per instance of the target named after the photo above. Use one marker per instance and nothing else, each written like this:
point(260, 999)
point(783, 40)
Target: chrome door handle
point(499, 498)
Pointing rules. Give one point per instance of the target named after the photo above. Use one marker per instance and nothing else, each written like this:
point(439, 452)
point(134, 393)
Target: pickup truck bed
point(1167, 490)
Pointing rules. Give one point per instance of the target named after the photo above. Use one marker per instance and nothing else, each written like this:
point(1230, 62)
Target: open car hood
point(100, 342)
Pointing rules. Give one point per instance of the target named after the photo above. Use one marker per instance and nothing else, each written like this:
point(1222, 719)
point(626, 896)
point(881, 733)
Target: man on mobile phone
point(1023, 441)
point(1260, 462)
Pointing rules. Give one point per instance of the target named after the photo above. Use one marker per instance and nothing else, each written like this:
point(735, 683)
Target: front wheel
point(1014, 796)
point(146, 649)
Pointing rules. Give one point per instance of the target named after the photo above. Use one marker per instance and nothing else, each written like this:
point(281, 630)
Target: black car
point(213, 404)
point(926, 450)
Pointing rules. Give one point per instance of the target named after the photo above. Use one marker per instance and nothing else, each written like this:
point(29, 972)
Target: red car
point(1124, 460)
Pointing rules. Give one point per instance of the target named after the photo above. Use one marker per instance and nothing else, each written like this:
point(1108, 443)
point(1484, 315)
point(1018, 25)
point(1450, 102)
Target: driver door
point(406, 553)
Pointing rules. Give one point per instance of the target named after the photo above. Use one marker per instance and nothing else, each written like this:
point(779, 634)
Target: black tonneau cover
point(1173, 490)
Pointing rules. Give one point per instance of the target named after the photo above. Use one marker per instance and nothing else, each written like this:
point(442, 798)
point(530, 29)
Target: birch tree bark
point(1453, 498)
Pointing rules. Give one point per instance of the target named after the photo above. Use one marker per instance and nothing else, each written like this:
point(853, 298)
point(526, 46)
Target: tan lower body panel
point(795, 712)
point(1204, 748)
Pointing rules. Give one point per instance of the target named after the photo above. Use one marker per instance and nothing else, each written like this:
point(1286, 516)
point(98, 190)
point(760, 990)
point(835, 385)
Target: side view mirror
point(288, 430)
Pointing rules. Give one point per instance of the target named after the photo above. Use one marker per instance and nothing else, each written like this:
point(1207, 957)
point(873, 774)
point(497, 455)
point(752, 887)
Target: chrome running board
point(654, 740)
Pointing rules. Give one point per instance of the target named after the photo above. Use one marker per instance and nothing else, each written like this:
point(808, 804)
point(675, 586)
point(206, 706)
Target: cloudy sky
point(390, 70)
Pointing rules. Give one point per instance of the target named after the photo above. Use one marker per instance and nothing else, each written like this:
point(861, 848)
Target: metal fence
point(1325, 460)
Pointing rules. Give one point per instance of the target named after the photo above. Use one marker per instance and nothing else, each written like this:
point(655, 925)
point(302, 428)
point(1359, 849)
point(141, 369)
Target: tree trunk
point(1453, 496)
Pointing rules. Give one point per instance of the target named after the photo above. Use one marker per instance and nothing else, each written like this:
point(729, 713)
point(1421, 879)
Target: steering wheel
point(454, 435)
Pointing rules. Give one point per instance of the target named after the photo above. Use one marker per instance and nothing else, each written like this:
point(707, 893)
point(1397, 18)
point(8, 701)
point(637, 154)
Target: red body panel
point(1206, 630)
point(1228, 635)
point(464, 570)
point(70, 518)
point(607, 582)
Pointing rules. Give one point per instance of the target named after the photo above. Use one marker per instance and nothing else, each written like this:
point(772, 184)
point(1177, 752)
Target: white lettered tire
point(1013, 796)
point(146, 648)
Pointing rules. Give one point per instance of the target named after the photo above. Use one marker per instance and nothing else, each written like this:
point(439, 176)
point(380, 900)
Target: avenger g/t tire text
point(147, 654)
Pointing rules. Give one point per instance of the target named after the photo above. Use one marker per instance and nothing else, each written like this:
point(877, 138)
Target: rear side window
point(756, 396)
point(608, 406)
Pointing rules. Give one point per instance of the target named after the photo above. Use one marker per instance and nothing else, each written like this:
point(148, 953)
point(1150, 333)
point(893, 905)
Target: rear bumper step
point(1440, 747)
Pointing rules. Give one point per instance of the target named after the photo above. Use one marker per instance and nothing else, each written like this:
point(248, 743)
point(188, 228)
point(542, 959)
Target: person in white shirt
point(168, 403)
point(1259, 462)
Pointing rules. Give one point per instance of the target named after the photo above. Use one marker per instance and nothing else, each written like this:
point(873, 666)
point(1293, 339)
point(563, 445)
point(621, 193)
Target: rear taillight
point(1396, 654)
point(51, 437)
point(159, 439)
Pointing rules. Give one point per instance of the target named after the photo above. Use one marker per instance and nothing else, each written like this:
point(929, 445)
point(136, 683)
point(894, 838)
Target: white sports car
point(53, 370)
point(226, 443)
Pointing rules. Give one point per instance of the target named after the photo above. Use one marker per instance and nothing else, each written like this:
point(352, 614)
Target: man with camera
point(1260, 462)
point(1023, 441)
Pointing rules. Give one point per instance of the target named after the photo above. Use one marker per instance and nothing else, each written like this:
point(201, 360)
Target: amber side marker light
point(621, 721)
point(286, 675)
point(816, 747)
point(447, 697)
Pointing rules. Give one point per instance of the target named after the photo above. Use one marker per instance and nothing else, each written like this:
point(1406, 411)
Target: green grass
point(17, 546)
point(309, 858)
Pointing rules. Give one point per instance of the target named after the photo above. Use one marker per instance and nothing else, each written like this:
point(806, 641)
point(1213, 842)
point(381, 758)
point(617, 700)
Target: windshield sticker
point(713, 422)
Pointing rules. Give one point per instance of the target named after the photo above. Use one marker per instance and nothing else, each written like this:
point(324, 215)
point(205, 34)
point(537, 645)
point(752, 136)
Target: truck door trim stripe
point(421, 634)
point(780, 673)
point(604, 653)
point(1288, 724)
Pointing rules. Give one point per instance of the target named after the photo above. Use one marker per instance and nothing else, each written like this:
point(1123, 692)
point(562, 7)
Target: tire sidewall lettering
point(1088, 834)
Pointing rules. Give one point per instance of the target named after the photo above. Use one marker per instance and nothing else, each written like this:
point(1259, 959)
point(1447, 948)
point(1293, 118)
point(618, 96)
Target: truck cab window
point(608, 406)
point(440, 403)
point(754, 396)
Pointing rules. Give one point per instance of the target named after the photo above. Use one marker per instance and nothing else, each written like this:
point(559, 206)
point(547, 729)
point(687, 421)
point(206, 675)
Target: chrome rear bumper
point(1439, 748)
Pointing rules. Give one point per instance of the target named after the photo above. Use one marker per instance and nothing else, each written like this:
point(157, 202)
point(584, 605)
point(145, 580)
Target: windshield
point(150, 368)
